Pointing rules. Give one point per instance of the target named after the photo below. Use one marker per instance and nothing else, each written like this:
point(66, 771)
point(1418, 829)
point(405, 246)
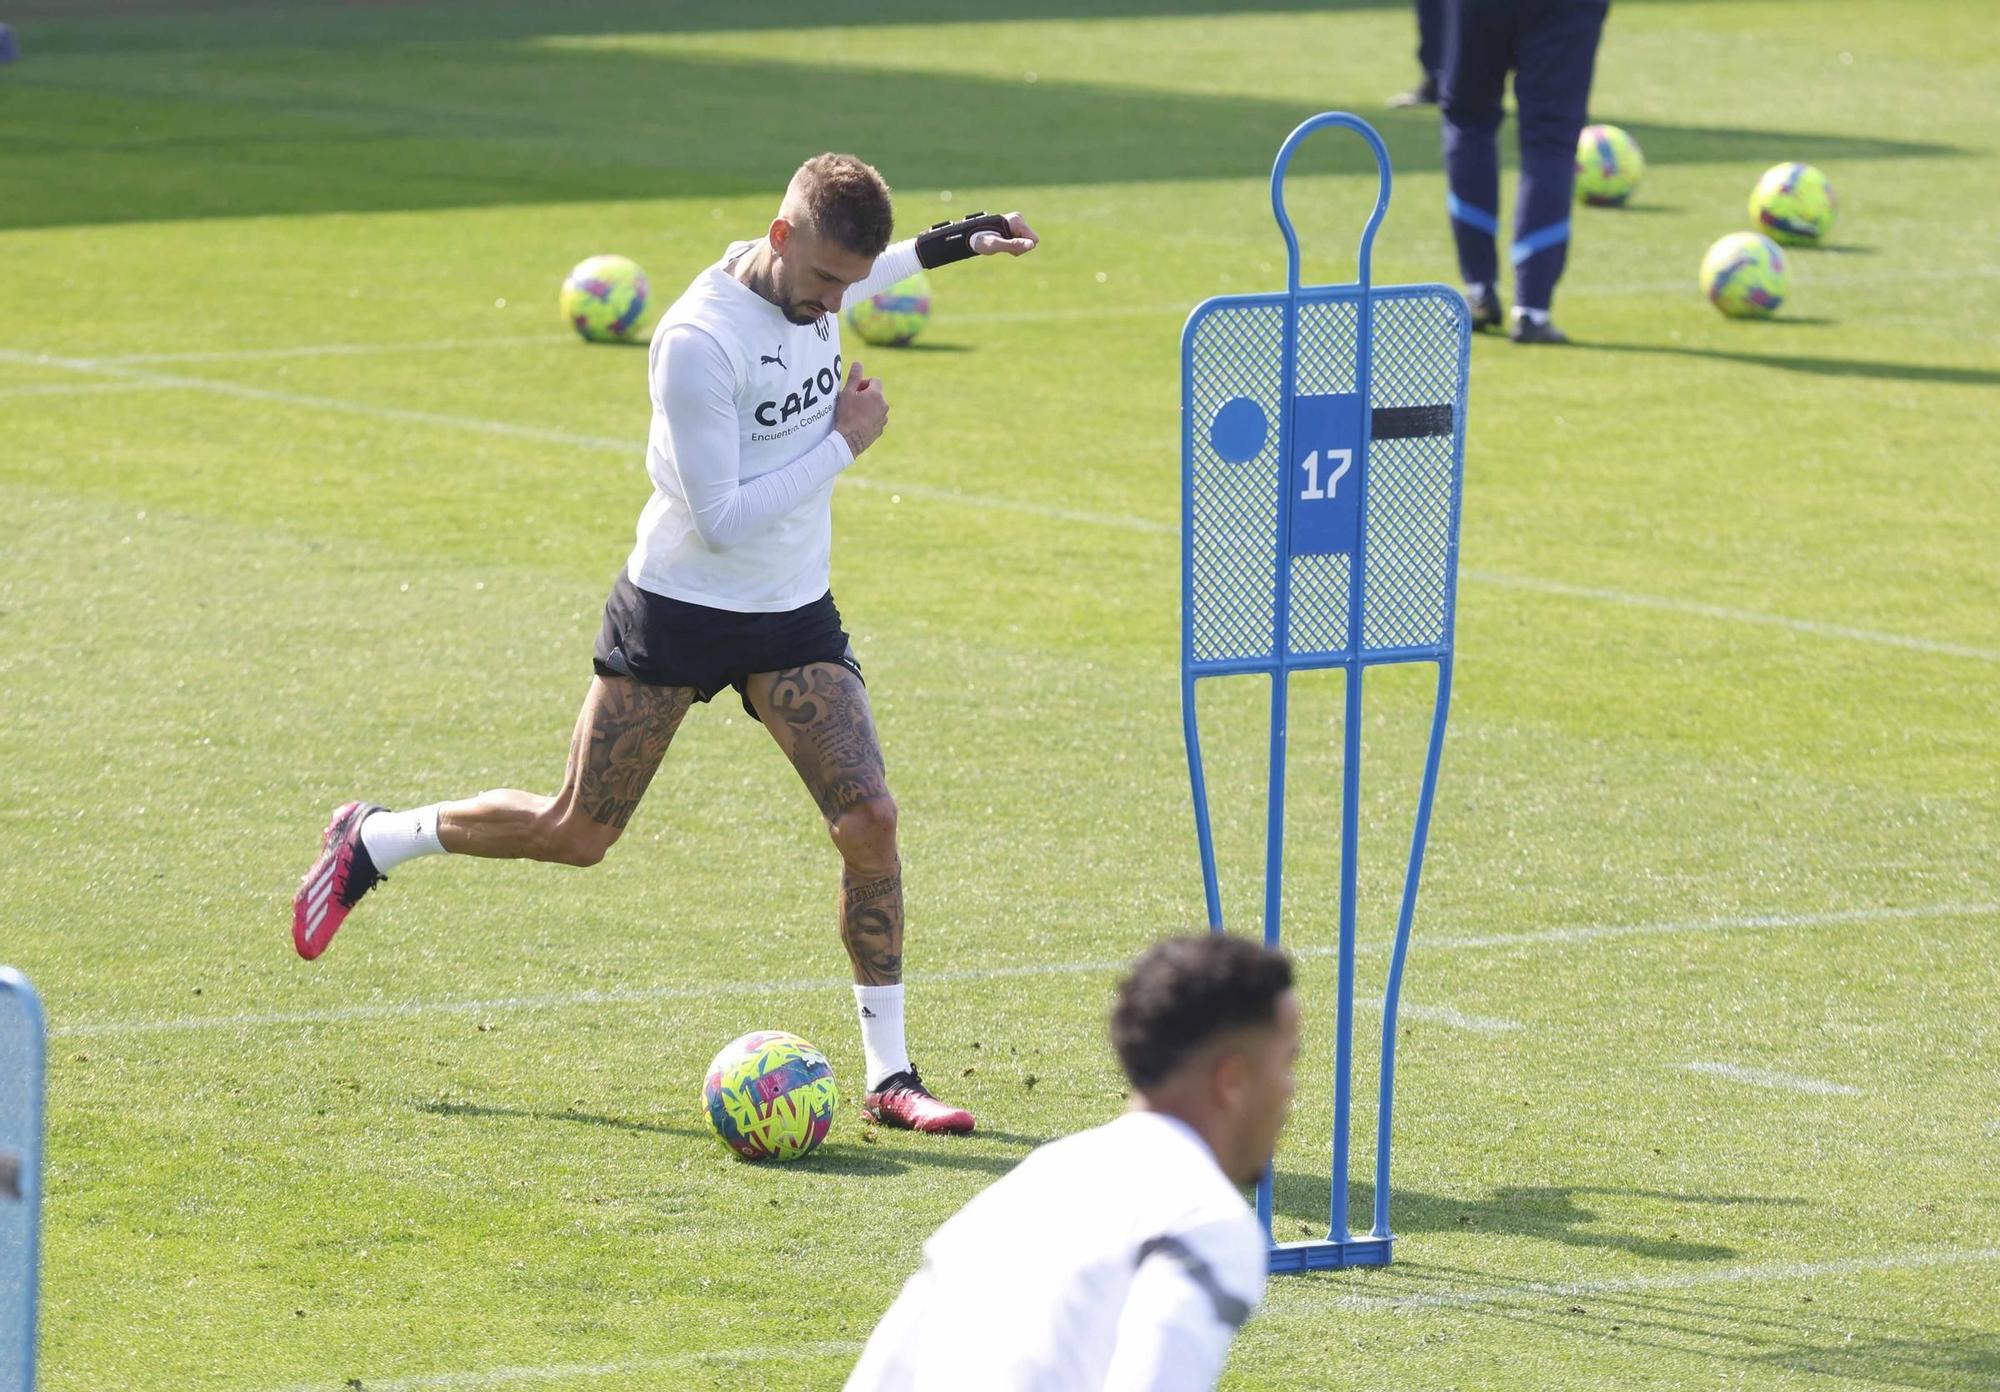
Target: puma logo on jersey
point(778, 358)
point(814, 390)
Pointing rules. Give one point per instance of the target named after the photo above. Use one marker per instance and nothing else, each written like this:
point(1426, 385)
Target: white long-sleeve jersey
point(1121, 1258)
point(742, 453)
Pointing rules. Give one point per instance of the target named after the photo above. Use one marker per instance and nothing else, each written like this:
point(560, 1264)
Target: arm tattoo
point(871, 923)
point(619, 744)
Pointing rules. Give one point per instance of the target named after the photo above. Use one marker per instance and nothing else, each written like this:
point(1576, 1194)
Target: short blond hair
point(842, 199)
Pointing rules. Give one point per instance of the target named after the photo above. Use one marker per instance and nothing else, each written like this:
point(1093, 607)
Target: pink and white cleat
point(336, 882)
point(902, 1100)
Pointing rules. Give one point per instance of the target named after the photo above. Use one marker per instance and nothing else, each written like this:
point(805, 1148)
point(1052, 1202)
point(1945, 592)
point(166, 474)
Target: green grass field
point(305, 493)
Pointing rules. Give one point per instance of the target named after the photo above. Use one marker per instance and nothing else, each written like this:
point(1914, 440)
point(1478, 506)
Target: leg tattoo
point(871, 925)
point(819, 716)
point(829, 735)
point(619, 743)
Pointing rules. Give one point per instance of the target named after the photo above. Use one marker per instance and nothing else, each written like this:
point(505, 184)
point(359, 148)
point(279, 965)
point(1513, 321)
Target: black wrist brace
point(952, 241)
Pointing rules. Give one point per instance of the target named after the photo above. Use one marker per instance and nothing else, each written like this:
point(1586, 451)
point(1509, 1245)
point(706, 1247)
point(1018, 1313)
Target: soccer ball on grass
point(1608, 166)
point(1793, 204)
point(893, 317)
point(603, 298)
point(1744, 275)
point(770, 1096)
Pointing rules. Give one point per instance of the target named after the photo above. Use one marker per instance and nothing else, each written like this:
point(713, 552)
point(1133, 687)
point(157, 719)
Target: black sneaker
point(1485, 308)
point(902, 1100)
point(1527, 330)
point(1425, 93)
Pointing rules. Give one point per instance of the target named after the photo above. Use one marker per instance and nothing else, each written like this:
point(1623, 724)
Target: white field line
point(556, 1000)
point(391, 1010)
point(555, 338)
point(1759, 1274)
point(631, 446)
point(558, 339)
point(1445, 1015)
point(1766, 1078)
point(79, 388)
point(1717, 611)
point(1725, 924)
point(326, 403)
point(566, 1372)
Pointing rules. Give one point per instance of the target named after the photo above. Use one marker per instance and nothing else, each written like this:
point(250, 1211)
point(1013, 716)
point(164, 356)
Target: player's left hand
point(1021, 243)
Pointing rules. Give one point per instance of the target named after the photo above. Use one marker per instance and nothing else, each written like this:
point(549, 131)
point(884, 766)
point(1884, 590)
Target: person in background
point(1430, 56)
point(1550, 46)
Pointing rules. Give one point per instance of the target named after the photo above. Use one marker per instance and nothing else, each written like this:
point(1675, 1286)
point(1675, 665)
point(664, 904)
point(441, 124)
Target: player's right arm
point(696, 389)
point(1192, 1292)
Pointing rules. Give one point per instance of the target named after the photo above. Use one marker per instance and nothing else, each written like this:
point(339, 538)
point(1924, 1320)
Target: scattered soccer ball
point(1744, 275)
point(604, 297)
point(1608, 166)
point(1794, 204)
point(770, 1096)
point(893, 317)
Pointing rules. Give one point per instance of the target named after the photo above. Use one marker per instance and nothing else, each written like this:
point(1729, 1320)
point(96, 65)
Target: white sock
point(1533, 316)
point(1474, 289)
point(394, 837)
point(881, 1009)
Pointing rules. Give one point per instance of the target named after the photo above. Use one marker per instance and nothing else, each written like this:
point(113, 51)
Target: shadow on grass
point(97, 25)
point(1553, 1213)
point(883, 1153)
point(1818, 367)
point(1796, 1325)
point(1966, 1360)
point(494, 122)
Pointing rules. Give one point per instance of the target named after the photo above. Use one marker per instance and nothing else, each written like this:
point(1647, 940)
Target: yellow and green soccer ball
point(1608, 166)
point(1744, 275)
point(895, 316)
point(603, 298)
point(770, 1096)
point(1793, 204)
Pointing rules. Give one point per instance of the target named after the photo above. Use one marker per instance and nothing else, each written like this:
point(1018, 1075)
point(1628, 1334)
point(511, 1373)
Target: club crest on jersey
point(818, 388)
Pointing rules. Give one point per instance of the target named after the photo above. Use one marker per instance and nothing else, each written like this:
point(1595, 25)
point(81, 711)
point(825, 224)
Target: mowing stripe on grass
point(1758, 1274)
point(1444, 1015)
point(558, 339)
point(634, 446)
point(1766, 1078)
point(1761, 1273)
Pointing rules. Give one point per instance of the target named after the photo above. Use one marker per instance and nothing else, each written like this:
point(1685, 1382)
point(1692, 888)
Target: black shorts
point(670, 642)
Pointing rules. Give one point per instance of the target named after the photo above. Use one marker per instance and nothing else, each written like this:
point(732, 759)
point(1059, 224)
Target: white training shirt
point(742, 452)
point(1122, 1258)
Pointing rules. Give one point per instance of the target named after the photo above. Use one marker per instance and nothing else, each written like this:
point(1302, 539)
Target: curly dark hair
point(846, 202)
point(1183, 992)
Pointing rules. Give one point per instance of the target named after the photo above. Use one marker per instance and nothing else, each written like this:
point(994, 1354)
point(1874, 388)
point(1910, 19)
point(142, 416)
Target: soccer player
point(1124, 1257)
point(1551, 47)
point(755, 414)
